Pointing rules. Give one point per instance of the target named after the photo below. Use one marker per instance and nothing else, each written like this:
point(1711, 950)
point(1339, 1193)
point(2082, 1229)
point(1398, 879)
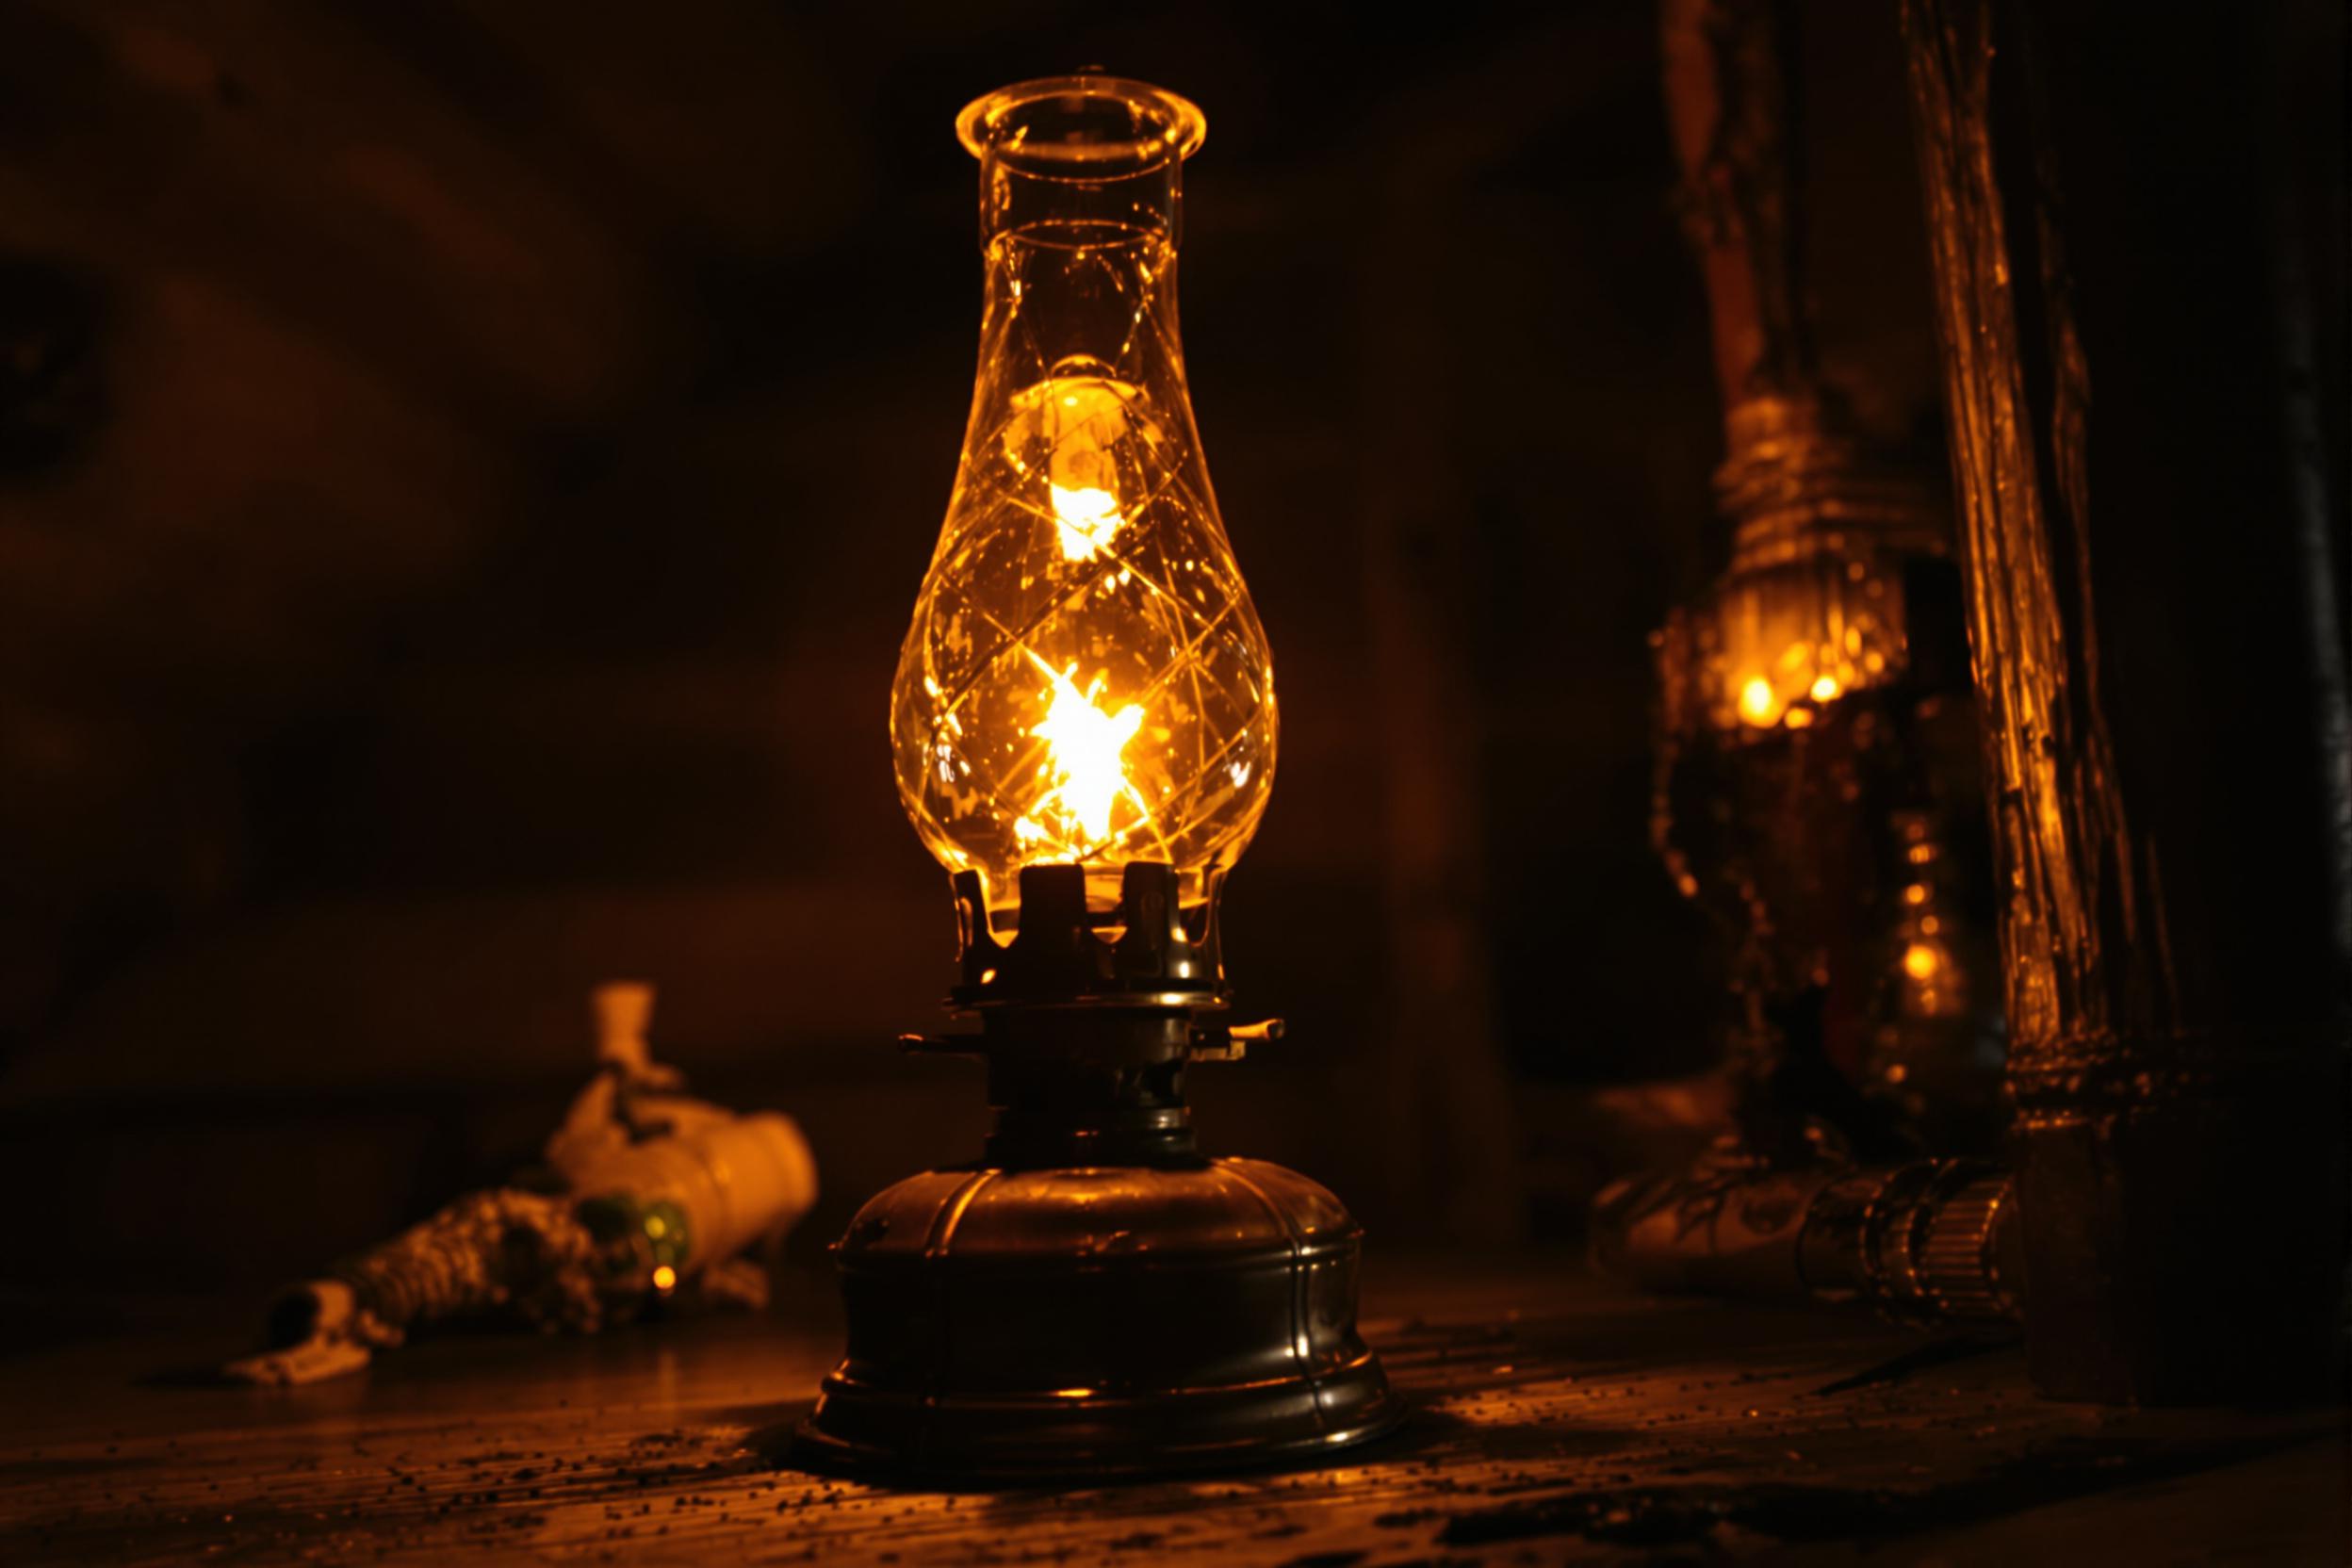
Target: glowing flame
point(1757, 705)
point(665, 1278)
point(1086, 518)
point(1083, 758)
point(1064, 431)
point(1920, 961)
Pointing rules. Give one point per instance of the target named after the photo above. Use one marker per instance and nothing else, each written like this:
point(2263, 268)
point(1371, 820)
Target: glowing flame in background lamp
point(1790, 640)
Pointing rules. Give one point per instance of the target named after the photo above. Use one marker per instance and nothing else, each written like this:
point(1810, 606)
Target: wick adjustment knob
point(1230, 1043)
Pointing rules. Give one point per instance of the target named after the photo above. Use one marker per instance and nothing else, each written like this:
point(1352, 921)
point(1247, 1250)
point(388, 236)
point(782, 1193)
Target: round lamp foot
point(1009, 1325)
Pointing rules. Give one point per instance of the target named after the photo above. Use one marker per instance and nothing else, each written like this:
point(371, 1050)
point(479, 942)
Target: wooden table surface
point(1556, 1419)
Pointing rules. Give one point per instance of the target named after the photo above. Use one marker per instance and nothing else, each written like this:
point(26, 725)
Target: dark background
point(465, 469)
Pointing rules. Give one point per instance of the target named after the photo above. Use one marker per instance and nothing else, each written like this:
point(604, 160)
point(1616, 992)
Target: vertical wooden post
point(2169, 775)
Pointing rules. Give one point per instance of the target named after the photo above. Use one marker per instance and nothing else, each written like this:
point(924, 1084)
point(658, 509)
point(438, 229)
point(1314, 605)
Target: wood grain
point(1556, 1420)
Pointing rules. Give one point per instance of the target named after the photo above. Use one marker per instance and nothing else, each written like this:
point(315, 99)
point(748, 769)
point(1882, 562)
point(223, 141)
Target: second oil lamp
point(1084, 729)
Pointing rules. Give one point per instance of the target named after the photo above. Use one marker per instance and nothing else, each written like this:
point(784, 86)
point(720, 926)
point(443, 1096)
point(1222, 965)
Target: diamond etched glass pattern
point(1085, 680)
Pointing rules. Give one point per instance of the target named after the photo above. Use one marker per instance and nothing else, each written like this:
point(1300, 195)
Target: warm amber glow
point(1083, 745)
point(665, 1278)
point(1782, 642)
point(1920, 961)
point(1088, 519)
point(1085, 680)
point(1078, 421)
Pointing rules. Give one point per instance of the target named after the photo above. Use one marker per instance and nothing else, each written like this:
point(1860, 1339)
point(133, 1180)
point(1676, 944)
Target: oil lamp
point(1817, 791)
point(1082, 725)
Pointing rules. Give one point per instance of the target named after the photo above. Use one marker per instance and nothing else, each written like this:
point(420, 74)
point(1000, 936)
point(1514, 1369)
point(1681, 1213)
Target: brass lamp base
point(1093, 1298)
point(1097, 1322)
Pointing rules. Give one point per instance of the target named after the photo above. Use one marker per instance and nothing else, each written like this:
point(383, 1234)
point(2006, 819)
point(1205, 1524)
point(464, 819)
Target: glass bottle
point(1085, 680)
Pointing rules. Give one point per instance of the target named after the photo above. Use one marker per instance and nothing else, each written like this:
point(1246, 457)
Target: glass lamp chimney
point(1084, 681)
